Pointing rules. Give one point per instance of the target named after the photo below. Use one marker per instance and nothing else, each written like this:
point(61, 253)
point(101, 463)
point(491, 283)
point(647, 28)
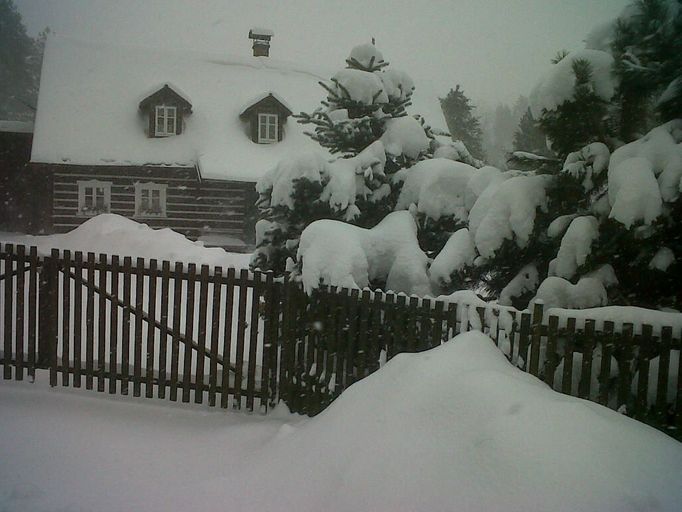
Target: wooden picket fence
point(247, 340)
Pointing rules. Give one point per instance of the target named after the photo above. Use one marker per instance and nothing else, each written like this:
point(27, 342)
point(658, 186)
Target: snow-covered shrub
point(556, 292)
point(388, 255)
point(449, 265)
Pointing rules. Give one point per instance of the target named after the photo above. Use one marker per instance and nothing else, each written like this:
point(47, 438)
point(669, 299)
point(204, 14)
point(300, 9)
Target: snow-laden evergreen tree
point(647, 48)
point(462, 123)
point(20, 61)
point(363, 123)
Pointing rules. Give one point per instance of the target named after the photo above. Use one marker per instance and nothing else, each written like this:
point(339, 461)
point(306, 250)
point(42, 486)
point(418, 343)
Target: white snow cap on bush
point(478, 183)
point(663, 259)
point(605, 274)
point(361, 86)
point(662, 149)
point(558, 83)
point(458, 252)
point(556, 292)
point(634, 195)
point(590, 160)
point(436, 187)
point(559, 225)
point(405, 136)
point(525, 281)
point(340, 177)
point(366, 54)
point(397, 84)
point(336, 253)
point(576, 246)
point(510, 213)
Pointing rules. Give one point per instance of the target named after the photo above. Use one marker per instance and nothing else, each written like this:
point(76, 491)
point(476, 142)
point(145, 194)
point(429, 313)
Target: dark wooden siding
point(193, 207)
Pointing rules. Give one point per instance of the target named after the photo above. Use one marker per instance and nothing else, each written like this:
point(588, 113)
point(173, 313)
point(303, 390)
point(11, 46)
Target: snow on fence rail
point(246, 337)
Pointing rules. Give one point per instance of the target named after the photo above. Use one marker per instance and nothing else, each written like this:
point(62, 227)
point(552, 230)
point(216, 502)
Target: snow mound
point(397, 84)
point(556, 292)
point(576, 246)
point(662, 150)
point(478, 183)
point(360, 86)
point(558, 83)
point(335, 253)
point(366, 55)
point(405, 136)
point(590, 161)
point(507, 213)
point(436, 186)
point(458, 428)
point(113, 234)
point(634, 195)
point(458, 252)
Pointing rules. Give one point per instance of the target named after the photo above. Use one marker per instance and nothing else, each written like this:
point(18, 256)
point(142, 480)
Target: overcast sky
point(496, 49)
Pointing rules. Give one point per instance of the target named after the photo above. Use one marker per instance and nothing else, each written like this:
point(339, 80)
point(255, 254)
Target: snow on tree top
point(557, 85)
point(366, 56)
point(361, 86)
point(94, 89)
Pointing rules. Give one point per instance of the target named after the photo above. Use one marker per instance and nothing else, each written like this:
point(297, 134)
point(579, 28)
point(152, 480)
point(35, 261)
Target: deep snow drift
point(113, 234)
point(454, 428)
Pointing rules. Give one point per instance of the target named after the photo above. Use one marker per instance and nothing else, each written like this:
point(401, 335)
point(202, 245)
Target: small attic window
point(166, 110)
point(267, 128)
point(266, 115)
point(166, 121)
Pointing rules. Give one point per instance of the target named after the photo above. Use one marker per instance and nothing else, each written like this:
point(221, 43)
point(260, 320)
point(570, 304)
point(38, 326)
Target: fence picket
point(90, 322)
point(551, 355)
point(412, 319)
point(66, 312)
point(113, 335)
point(125, 324)
point(163, 334)
point(137, 340)
point(189, 332)
point(227, 338)
point(437, 336)
point(451, 315)
point(643, 370)
point(77, 317)
point(8, 329)
point(605, 371)
point(664, 371)
point(567, 377)
point(175, 347)
point(624, 364)
point(241, 334)
point(52, 311)
point(151, 329)
point(268, 340)
point(32, 310)
point(253, 341)
point(102, 323)
point(536, 337)
point(19, 335)
point(215, 334)
point(584, 390)
point(201, 338)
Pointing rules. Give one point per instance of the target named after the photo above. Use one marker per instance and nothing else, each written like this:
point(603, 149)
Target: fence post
point(48, 315)
point(535, 339)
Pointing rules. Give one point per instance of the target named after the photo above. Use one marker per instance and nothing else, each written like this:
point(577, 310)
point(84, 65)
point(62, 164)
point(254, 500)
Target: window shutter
point(152, 122)
point(178, 121)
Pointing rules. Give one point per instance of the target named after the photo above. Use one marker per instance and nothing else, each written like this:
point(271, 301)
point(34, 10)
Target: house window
point(94, 197)
point(267, 128)
point(166, 119)
point(150, 200)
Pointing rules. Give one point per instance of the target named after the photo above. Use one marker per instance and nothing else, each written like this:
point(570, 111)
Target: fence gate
point(124, 326)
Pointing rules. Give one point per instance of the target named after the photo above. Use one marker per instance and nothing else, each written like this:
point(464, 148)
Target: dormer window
point(166, 110)
point(166, 118)
point(266, 115)
point(267, 128)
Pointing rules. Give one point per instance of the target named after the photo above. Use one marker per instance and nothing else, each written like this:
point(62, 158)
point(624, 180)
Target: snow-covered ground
point(113, 234)
point(454, 428)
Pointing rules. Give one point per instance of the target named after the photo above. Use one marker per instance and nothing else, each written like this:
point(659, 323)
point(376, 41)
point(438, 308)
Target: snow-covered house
point(172, 139)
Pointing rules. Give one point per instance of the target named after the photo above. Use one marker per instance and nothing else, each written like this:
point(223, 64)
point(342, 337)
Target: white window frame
point(87, 197)
point(150, 187)
point(269, 122)
point(163, 114)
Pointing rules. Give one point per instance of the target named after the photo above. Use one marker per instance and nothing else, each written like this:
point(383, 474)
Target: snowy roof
point(16, 126)
point(88, 108)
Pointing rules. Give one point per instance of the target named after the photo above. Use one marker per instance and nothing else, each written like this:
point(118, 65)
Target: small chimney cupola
point(261, 41)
